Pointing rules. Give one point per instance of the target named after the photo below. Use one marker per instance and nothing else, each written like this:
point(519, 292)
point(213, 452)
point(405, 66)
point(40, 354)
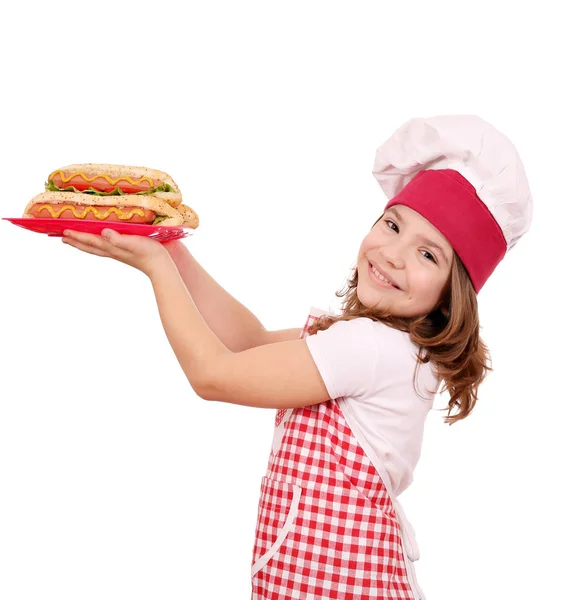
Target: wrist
point(173, 247)
point(159, 265)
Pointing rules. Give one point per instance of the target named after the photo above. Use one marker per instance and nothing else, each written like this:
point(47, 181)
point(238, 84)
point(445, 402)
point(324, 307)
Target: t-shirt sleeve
point(346, 356)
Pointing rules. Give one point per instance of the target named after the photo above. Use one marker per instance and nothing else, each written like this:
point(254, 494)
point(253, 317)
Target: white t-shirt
point(370, 367)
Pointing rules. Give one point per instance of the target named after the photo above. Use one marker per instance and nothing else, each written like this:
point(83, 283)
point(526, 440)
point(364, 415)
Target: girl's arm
point(236, 327)
point(275, 375)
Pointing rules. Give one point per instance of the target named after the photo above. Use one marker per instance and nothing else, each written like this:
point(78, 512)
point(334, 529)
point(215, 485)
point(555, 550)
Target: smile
point(377, 278)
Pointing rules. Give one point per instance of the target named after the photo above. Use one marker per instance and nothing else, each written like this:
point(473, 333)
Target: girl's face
point(413, 255)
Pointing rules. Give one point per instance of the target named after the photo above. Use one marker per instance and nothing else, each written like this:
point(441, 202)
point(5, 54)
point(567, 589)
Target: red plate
point(55, 227)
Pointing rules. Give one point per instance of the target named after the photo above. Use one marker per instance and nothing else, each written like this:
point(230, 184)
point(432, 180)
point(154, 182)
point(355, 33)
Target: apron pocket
point(277, 512)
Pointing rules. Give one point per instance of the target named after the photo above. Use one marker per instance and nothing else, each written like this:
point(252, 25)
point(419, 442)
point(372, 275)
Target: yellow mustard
point(123, 216)
point(88, 180)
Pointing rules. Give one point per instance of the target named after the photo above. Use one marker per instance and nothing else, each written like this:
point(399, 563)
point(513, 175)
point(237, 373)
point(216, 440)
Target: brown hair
point(448, 336)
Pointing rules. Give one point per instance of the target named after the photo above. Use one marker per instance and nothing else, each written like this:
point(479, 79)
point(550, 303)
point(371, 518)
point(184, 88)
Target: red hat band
point(449, 202)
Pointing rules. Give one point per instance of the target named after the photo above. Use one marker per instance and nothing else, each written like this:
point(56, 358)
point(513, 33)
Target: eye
point(428, 256)
point(394, 225)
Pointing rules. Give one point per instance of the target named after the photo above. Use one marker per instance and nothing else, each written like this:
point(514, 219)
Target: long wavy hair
point(448, 337)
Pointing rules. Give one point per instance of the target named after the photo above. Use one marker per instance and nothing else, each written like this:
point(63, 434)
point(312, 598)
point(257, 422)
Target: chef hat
point(466, 178)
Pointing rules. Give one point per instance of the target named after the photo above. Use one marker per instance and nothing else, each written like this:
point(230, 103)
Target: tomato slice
point(102, 185)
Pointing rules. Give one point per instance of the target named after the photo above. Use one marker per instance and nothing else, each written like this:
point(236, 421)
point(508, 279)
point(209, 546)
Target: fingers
point(91, 243)
point(86, 238)
point(85, 247)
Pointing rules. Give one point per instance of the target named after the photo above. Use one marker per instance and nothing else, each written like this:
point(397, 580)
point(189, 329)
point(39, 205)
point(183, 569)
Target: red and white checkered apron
point(327, 528)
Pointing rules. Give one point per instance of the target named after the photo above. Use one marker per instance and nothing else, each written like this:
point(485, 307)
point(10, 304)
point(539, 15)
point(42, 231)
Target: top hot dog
point(112, 193)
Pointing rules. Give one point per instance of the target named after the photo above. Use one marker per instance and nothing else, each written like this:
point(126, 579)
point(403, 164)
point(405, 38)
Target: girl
point(353, 390)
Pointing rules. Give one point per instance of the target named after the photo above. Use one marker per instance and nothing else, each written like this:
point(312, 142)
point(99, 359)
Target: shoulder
point(345, 340)
point(392, 346)
point(346, 356)
point(397, 353)
point(359, 329)
point(364, 327)
point(365, 338)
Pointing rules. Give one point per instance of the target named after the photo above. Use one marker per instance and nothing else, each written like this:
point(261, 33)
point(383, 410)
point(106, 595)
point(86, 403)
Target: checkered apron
point(327, 528)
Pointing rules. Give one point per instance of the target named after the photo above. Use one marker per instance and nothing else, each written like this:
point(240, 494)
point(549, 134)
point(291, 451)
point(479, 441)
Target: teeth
point(378, 274)
point(382, 277)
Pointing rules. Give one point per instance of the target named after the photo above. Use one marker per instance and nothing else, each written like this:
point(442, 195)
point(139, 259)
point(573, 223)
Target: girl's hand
point(141, 252)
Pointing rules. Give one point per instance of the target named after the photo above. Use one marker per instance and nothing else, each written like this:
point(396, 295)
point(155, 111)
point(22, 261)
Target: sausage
point(89, 213)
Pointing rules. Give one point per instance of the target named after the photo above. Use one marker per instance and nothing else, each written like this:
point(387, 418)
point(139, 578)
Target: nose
point(393, 254)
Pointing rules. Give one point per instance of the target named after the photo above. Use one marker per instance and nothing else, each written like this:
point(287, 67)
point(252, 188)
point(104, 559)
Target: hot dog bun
point(119, 171)
point(190, 218)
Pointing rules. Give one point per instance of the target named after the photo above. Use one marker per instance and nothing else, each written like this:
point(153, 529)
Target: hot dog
point(112, 193)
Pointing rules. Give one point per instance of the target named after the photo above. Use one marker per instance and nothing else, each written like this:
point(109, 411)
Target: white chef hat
point(466, 178)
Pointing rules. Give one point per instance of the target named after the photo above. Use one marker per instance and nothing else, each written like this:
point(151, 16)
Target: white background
point(116, 481)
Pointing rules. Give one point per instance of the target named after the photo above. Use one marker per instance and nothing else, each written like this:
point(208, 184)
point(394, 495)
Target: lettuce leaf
point(51, 187)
